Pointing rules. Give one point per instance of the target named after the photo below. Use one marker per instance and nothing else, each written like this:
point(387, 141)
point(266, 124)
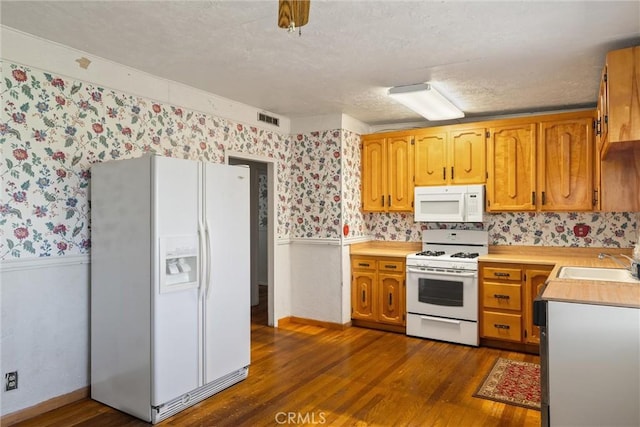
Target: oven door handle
point(441, 273)
point(439, 319)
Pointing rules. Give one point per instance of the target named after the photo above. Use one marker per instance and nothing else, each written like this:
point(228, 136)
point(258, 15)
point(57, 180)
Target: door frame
point(271, 223)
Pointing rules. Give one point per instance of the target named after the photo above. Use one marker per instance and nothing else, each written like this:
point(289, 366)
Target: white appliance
point(589, 364)
point(449, 203)
point(170, 283)
point(442, 286)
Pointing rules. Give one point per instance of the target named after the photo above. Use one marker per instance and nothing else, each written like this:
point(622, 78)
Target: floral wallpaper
point(351, 198)
point(607, 229)
point(263, 209)
point(316, 174)
point(53, 128)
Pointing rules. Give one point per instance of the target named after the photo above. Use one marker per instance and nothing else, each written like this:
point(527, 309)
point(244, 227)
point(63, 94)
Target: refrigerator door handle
point(201, 255)
point(208, 246)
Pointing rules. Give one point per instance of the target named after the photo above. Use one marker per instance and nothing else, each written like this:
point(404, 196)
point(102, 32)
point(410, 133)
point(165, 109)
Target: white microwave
point(449, 203)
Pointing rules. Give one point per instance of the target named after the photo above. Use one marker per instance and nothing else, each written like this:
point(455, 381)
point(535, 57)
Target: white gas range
point(442, 285)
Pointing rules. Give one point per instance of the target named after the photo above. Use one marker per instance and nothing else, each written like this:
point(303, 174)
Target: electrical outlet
point(11, 380)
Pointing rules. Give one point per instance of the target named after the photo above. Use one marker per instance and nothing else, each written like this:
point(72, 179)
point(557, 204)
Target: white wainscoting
point(316, 279)
point(45, 328)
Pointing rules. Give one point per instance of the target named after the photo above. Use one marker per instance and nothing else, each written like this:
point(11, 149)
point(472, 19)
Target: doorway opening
point(263, 212)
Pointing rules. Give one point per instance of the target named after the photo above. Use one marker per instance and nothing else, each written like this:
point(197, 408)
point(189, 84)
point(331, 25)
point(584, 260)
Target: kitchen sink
point(596, 273)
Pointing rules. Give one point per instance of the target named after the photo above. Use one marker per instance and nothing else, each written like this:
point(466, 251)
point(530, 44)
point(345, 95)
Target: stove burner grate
point(465, 255)
point(431, 253)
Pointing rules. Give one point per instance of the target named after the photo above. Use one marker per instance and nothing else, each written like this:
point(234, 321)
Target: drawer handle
point(390, 266)
point(501, 326)
point(362, 264)
point(499, 274)
point(500, 296)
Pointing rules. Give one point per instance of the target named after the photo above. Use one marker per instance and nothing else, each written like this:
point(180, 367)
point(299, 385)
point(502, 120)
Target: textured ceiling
point(487, 57)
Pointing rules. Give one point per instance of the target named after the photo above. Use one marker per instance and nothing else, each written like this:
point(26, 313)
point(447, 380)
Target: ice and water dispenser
point(179, 263)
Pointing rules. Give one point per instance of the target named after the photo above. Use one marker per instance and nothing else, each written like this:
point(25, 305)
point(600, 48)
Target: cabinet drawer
point(502, 273)
point(506, 296)
point(391, 266)
point(502, 326)
point(363, 263)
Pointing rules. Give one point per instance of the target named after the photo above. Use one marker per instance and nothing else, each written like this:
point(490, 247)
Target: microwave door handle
point(441, 273)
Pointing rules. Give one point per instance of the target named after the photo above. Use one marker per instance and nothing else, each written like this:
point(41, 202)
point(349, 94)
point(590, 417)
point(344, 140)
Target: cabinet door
point(602, 110)
point(431, 158)
point(362, 295)
point(512, 159)
point(391, 298)
point(374, 175)
point(565, 165)
point(467, 156)
point(623, 92)
point(535, 277)
point(399, 174)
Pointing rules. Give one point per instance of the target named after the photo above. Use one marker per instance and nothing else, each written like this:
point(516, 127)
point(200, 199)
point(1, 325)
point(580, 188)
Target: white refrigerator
point(170, 283)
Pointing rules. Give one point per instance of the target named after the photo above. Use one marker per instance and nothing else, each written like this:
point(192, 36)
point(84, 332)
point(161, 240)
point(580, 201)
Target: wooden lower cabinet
point(378, 293)
point(507, 292)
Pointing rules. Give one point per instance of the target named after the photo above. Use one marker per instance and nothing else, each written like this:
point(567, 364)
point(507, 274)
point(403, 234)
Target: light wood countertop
point(617, 294)
point(383, 248)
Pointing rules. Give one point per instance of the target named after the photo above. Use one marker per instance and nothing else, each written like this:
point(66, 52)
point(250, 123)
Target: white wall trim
point(356, 239)
point(283, 241)
point(43, 262)
point(326, 241)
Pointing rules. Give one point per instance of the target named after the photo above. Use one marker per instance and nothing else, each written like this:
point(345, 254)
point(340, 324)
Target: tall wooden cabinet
point(378, 292)
point(618, 125)
point(453, 155)
point(387, 173)
point(618, 132)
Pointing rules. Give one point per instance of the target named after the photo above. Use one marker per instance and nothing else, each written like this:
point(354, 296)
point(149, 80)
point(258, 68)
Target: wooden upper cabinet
point(431, 158)
point(565, 165)
point(511, 153)
point(602, 110)
point(467, 156)
point(622, 105)
point(399, 174)
point(387, 173)
point(374, 175)
point(455, 156)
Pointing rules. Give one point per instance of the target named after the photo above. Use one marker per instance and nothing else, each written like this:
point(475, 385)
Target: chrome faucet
point(603, 255)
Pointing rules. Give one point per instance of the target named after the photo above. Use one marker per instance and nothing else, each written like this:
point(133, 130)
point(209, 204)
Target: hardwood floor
point(308, 375)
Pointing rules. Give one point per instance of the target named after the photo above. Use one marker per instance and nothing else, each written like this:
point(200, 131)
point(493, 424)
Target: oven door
point(443, 293)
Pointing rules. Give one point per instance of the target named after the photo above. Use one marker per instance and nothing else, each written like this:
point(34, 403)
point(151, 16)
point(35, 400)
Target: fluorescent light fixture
point(426, 101)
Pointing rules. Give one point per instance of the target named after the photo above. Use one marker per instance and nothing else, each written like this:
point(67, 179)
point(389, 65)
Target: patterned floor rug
point(512, 382)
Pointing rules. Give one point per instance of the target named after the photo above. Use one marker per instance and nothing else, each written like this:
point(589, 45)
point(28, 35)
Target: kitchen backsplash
point(607, 229)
